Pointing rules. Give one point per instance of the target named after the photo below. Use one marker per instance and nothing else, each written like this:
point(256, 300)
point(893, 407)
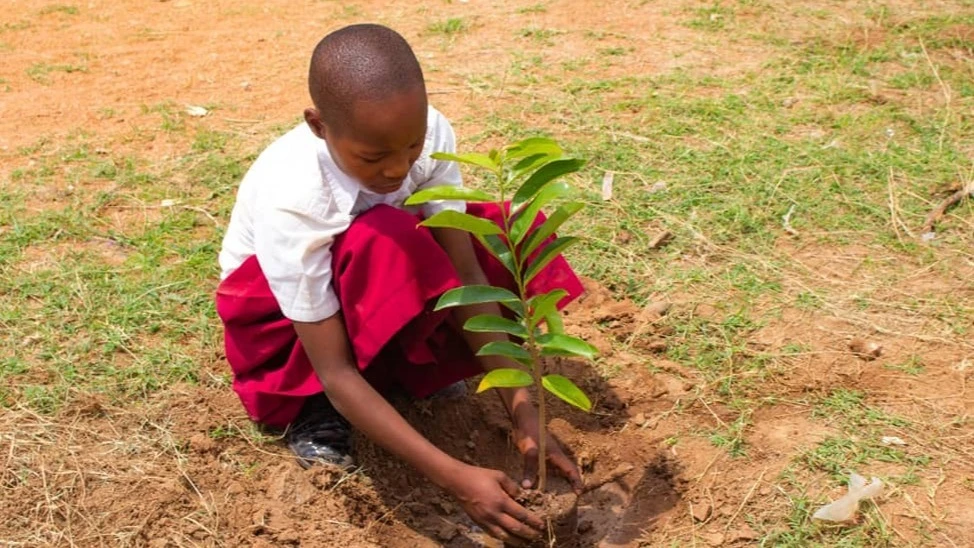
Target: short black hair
point(360, 62)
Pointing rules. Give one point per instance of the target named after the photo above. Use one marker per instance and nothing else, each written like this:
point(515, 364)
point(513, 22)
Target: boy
point(327, 281)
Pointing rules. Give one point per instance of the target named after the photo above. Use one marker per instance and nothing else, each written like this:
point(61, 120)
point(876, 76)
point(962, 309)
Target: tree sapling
point(527, 174)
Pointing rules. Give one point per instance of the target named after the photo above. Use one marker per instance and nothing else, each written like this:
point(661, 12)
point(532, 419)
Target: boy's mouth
point(388, 187)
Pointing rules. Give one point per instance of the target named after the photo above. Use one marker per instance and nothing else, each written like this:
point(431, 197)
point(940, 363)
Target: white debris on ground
point(845, 508)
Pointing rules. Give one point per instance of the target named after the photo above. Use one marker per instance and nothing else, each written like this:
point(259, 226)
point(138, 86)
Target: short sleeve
point(293, 247)
point(441, 172)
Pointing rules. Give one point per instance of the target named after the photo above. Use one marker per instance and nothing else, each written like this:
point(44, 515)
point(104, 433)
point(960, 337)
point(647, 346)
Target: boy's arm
point(523, 414)
point(484, 494)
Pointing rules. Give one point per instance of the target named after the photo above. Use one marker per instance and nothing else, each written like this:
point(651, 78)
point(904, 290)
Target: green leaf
point(506, 349)
point(549, 227)
point(565, 345)
point(448, 192)
point(525, 218)
point(542, 177)
point(495, 324)
point(555, 324)
point(534, 146)
point(504, 378)
point(566, 391)
point(475, 294)
point(530, 163)
point(462, 221)
point(472, 158)
point(543, 305)
point(496, 247)
point(547, 255)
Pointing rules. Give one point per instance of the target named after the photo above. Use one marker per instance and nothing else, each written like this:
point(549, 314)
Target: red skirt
point(387, 273)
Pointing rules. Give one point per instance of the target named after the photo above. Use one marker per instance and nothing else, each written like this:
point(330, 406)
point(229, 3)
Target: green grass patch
point(449, 27)
point(59, 8)
point(40, 72)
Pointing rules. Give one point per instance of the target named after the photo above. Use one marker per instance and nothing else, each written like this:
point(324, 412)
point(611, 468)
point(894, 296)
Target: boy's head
point(370, 104)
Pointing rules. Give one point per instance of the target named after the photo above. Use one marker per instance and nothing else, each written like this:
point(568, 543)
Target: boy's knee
point(384, 222)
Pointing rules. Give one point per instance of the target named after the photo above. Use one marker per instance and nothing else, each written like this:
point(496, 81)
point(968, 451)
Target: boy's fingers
point(516, 528)
point(522, 515)
point(500, 534)
point(567, 469)
point(530, 470)
point(508, 485)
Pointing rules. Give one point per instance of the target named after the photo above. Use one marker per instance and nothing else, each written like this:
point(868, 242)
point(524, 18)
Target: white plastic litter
point(892, 440)
point(196, 111)
point(607, 180)
point(845, 508)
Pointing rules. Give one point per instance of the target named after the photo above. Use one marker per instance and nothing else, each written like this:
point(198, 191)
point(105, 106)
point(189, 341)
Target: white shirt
point(294, 200)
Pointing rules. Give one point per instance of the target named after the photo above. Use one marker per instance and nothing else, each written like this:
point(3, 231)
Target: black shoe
point(320, 435)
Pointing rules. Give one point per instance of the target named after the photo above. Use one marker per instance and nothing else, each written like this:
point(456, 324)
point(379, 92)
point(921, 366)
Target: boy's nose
point(398, 168)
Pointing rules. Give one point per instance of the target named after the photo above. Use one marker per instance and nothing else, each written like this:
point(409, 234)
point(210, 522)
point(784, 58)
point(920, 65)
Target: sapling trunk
point(532, 346)
point(542, 420)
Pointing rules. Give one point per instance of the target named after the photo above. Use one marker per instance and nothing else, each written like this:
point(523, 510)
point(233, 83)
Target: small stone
point(445, 506)
point(446, 531)
point(657, 309)
point(658, 187)
point(471, 445)
point(200, 443)
point(639, 419)
point(661, 239)
point(713, 539)
point(789, 102)
point(657, 347)
point(702, 511)
point(584, 527)
point(586, 461)
point(744, 532)
point(866, 350)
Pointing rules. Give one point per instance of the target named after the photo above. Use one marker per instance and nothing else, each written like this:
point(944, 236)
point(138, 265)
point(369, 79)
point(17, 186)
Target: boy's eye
point(369, 160)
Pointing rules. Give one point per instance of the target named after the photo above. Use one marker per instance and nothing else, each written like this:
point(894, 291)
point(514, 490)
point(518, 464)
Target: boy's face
point(379, 141)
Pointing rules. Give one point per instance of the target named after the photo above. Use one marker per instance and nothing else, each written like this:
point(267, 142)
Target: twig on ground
point(786, 222)
point(618, 473)
point(966, 191)
point(894, 213)
point(721, 422)
point(948, 96)
point(744, 502)
point(633, 136)
point(707, 469)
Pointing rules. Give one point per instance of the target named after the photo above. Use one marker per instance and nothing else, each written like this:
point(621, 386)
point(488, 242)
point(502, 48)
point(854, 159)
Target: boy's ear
point(313, 118)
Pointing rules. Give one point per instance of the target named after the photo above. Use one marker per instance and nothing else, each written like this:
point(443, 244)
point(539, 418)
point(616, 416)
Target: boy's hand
point(487, 497)
point(526, 438)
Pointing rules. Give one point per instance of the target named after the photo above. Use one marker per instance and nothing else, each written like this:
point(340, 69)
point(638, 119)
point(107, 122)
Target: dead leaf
point(661, 239)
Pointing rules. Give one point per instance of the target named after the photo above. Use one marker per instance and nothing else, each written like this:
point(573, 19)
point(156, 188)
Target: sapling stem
point(542, 421)
point(536, 372)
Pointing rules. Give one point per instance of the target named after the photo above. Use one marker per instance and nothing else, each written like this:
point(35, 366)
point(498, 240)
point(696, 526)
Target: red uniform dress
point(387, 273)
